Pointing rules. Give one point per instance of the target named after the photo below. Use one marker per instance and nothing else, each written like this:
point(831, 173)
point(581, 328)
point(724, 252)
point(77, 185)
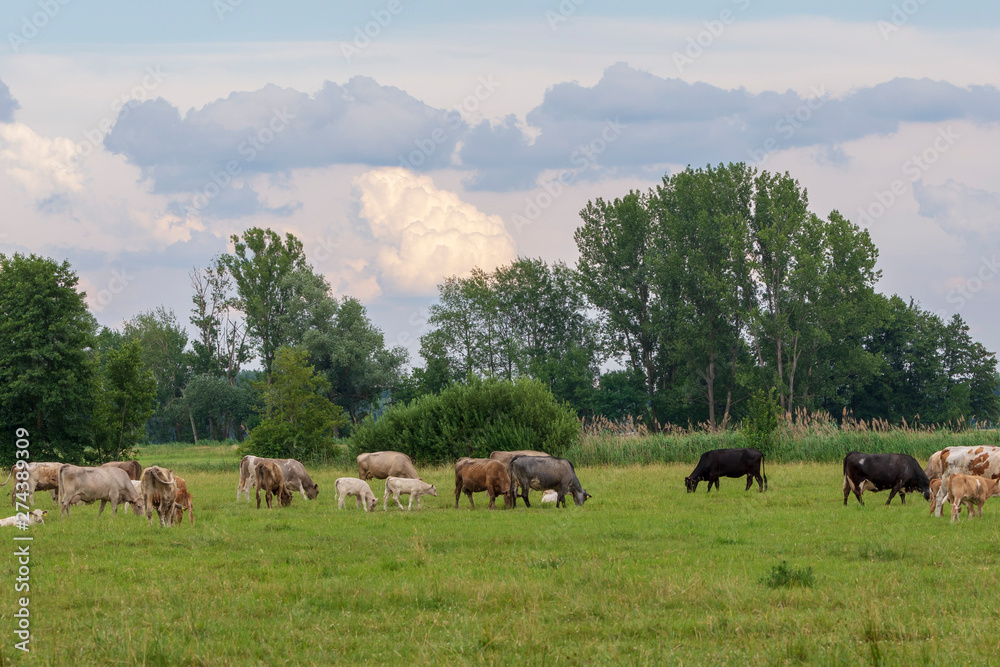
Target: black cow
point(878, 472)
point(544, 473)
point(727, 463)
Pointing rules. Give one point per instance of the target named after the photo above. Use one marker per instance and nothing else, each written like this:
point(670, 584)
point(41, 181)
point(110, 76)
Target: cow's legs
point(956, 509)
point(472, 503)
point(941, 494)
point(760, 483)
point(340, 500)
point(258, 497)
point(902, 497)
point(749, 482)
point(410, 505)
point(302, 490)
point(524, 495)
point(892, 494)
point(101, 509)
point(493, 504)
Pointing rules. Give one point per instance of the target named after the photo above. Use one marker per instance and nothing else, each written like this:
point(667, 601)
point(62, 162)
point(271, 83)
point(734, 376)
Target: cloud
point(41, 165)
point(960, 210)
point(426, 234)
point(666, 120)
point(274, 130)
point(8, 105)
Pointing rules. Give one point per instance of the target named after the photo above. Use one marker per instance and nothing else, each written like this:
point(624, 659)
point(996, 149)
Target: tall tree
point(47, 368)
point(126, 399)
point(260, 263)
point(221, 347)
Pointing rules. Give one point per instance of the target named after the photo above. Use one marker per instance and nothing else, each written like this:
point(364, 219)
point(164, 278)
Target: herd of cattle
point(957, 475)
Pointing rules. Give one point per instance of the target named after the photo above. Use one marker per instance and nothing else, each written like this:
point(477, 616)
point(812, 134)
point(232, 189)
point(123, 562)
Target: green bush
point(472, 420)
point(761, 426)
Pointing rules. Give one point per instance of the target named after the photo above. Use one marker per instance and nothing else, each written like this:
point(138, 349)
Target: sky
point(404, 142)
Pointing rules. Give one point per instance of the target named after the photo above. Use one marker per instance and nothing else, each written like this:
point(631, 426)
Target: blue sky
point(136, 137)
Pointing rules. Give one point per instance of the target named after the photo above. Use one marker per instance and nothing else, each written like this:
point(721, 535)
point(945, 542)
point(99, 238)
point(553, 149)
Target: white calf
point(397, 486)
point(34, 517)
point(350, 486)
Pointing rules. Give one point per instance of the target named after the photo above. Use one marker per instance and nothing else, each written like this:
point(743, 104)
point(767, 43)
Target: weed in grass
point(782, 575)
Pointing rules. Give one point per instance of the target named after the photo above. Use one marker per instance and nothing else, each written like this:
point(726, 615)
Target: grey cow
point(543, 474)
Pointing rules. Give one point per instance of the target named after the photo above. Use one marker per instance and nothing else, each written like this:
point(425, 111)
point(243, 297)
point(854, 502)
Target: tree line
point(686, 299)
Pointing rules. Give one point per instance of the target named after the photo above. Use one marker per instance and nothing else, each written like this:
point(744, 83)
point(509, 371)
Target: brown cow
point(159, 490)
point(268, 476)
point(42, 476)
point(183, 501)
point(381, 465)
point(132, 468)
point(971, 490)
point(475, 475)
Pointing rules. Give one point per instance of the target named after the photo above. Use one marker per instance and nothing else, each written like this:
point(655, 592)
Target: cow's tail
point(157, 474)
point(59, 491)
point(8, 476)
point(763, 472)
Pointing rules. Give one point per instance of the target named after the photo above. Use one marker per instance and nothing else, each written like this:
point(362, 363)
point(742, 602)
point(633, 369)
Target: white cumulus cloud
point(42, 165)
point(427, 234)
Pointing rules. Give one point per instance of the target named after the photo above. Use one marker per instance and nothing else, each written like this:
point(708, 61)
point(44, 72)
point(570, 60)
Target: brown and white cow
point(348, 486)
point(132, 468)
point(296, 477)
point(42, 476)
point(34, 517)
point(78, 484)
point(382, 465)
point(972, 491)
point(159, 490)
point(414, 488)
point(982, 461)
point(268, 476)
point(475, 475)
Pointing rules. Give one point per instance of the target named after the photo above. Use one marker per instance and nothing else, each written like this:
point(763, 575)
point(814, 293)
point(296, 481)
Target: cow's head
point(691, 484)
point(312, 491)
point(285, 496)
point(433, 491)
point(372, 503)
point(580, 497)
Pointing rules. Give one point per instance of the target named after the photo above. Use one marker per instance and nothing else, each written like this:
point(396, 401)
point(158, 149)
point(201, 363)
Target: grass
point(642, 574)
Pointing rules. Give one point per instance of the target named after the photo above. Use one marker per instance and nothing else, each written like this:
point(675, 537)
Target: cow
point(971, 490)
point(296, 477)
point(382, 465)
point(33, 517)
point(542, 474)
point(349, 486)
point(132, 468)
point(877, 472)
point(183, 501)
point(717, 463)
point(78, 484)
point(934, 485)
point(506, 458)
point(475, 475)
point(268, 476)
point(42, 476)
point(550, 496)
point(982, 461)
point(396, 486)
point(178, 508)
point(159, 490)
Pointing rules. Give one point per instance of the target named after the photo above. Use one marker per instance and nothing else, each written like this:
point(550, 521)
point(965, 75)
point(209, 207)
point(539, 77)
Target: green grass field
point(643, 574)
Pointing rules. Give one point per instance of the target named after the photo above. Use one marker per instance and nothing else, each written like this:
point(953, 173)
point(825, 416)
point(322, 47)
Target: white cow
point(349, 486)
point(42, 476)
point(550, 496)
point(397, 486)
point(87, 485)
point(34, 517)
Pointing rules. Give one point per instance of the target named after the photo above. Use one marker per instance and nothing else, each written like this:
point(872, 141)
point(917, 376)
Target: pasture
point(642, 574)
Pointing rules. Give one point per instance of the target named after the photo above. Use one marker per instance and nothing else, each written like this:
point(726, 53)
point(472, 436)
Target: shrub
point(783, 575)
point(761, 426)
point(472, 420)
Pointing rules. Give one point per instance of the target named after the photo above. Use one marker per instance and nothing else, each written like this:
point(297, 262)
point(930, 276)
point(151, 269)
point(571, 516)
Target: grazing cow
point(183, 501)
point(934, 485)
point(34, 517)
point(728, 463)
point(348, 486)
point(982, 461)
point(268, 476)
point(159, 490)
point(550, 496)
point(971, 490)
point(382, 465)
point(877, 472)
point(544, 474)
point(506, 458)
point(132, 468)
point(296, 477)
point(475, 475)
point(397, 486)
point(78, 484)
point(42, 476)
